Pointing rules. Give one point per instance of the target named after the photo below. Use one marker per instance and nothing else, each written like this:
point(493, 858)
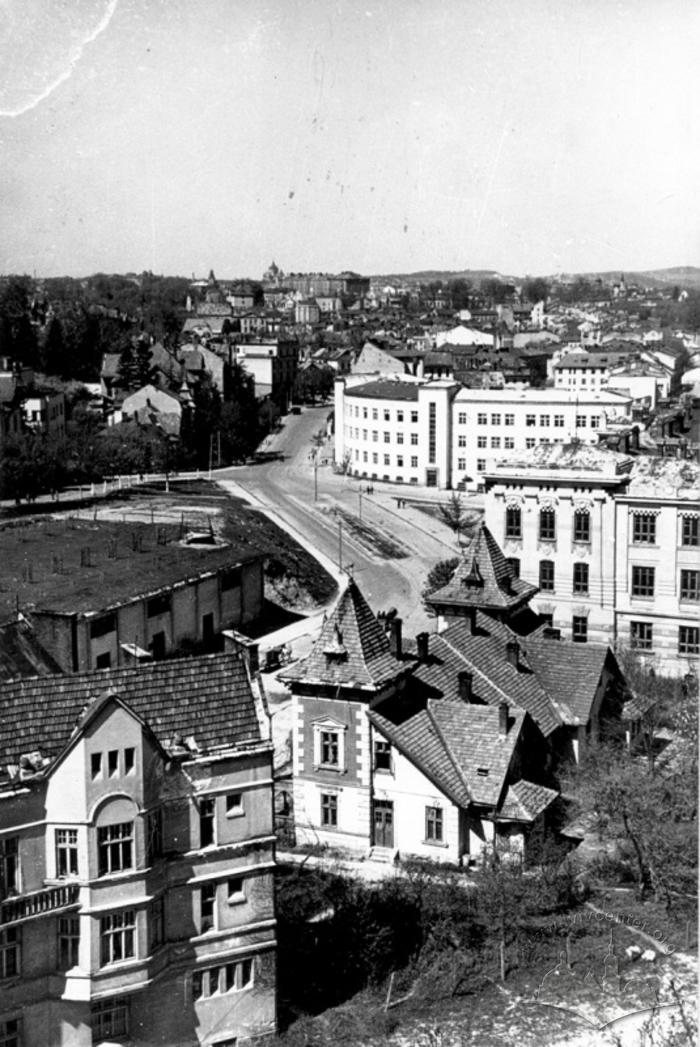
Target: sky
point(381, 136)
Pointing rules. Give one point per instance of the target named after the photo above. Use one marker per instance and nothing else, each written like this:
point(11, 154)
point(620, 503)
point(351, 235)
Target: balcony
point(50, 900)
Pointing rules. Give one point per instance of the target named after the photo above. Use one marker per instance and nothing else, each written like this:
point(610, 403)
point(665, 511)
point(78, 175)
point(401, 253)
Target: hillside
point(683, 275)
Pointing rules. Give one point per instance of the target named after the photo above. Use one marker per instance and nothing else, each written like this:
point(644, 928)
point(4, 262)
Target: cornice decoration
point(514, 501)
point(547, 501)
point(583, 505)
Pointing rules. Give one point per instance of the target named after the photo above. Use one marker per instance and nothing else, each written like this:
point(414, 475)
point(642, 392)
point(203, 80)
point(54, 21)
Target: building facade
point(612, 542)
point(440, 434)
point(136, 858)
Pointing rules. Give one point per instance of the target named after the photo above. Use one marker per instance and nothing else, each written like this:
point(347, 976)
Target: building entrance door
point(383, 823)
point(431, 477)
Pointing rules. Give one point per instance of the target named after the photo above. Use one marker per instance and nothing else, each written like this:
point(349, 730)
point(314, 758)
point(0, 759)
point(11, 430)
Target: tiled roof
point(495, 679)
point(21, 654)
point(525, 800)
point(483, 579)
point(365, 659)
point(569, 673)
point(207, 697)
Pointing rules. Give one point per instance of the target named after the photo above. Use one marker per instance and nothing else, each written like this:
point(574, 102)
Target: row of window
point(643, 527)
point(433, 818)
point(386, 414)
point(642, 638)
point(400, 460)
point(114, 763)
point(115, 844)
point(580, 577)
point(644, 583)
point(374, 435)
point(644, 530)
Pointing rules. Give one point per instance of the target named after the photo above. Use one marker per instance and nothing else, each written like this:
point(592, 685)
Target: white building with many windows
point(612, 542)
point(440, 434)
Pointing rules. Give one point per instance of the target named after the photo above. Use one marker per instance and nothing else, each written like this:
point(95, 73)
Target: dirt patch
point(369, 537)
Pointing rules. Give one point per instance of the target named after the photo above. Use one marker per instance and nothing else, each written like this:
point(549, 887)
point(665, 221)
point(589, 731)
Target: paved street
point(286, 490)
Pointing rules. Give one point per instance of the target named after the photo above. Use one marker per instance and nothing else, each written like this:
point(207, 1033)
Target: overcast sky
point(528, 136)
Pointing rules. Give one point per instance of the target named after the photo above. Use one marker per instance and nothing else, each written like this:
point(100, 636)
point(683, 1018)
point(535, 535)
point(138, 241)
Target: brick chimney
point(465, 685)
point(503, 719)
point(395, 637)
point(422, 646)
point(471, 620)
point(512, 652)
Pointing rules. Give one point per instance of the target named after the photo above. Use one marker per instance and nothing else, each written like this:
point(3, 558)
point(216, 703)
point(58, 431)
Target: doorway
point(383, 823)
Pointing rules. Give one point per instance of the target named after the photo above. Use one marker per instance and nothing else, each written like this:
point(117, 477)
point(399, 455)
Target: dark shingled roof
point(207, 697)
point(21, 654)
point(525, 800)
point(483, 579)
point(384, 390)
point(352, 650)
point(569, 672)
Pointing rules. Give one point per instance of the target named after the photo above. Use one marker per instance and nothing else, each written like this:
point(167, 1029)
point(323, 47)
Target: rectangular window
point(66, 852)
point(495, 442)
point(95, 765)
point(382, 756)
point(643, 581)
point(399, 462)
point(432, 432)
point(513, 522)
point(387, 415)
point(481, 441)
point(481, 465)
point(595, 421)
point(509, 419)
point(330, 749)
point(482, 419)
point(329, 810)
point(414, 462)
point(10, 944)
point(9, 865)
point(582, 525)
point(414, 439)
point(68, 942)
point(529, 442)
point(115, 844)
point(399, 416)
point(580, 421)
point(110, 1019)
point(375, 436)
point(548, 525)
point(234, 805)
point(641, 636)
point(129, 760)
point(103, 661)
point(689, 639)
point(399, 438)
point(579, 629)
point(387, 459)
point(375, 458)
point(509, 443)
point(643, 528)
point(207, 821)
point(414, 418)
point(544, 420)
point(514, 566)
point(113, 763)
point(207, 908)
point(690, 585)
point(433, 824)
point(690, 530)
point(461, 465)
point(102, 626)
point(117, 937)
point(375, 414)
point(387, 438)
point(156, 924)
point(461, 418)
point(530, 420)
point(11, 1032)
point(229, 977)
point(158, 605)
point(461, 441)
point(231, 579)
point(547, 576)
point(236, 890)
point(580, 586)
point(558, 421)
point(495, 419)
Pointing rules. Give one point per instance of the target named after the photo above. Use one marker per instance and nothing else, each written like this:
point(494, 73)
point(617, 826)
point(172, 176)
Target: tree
point(536, 290)
point(439, 576)
point(495, 290)
point(127, 371)
point(455, 514)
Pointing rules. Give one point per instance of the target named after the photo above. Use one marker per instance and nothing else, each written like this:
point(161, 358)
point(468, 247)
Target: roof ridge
point(452, 758)
point(475, 669)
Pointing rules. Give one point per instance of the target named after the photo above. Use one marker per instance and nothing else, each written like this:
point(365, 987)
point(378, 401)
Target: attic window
point(334, 650)
point(482, 771)
point(474, 576)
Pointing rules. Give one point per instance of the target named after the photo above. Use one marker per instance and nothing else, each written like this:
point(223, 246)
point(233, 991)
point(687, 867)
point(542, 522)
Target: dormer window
point(482, 772)
point(334, 650)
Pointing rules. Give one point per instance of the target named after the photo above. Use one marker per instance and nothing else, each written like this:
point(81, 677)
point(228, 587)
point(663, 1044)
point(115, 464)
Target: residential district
point(320, 587)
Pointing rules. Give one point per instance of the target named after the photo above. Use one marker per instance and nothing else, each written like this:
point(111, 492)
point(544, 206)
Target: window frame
point(329, 810)
point(579, 628)
point(690, 531)
point(689, 585)
point(643, 581)
point(643, 528)
point(66, 849)
point(548, 533)
point(641, 636)
point(110, 1018)
point(206, 816)
point(383, 749)
point(514, 523)
point(10, 951)
point(582, 526)
point(67, 941)
point(434, 825)
point(118, 935)
point(547, 576)
point(115, 848)
point(689, 644)
point(580, 580)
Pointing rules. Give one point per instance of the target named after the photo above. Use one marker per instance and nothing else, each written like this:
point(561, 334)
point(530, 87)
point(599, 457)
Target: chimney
point(550, 633)
point(512, 651)
point(503, 719)
point(422, 646)
point(471, 620)
point(465, 682)
point(395, 637)
point(244, 647)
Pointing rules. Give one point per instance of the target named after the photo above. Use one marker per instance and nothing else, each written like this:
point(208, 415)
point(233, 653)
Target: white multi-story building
point(440, 434)
point(613, 544)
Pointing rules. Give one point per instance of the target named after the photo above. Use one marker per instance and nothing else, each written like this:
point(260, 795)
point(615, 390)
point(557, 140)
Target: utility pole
point(340, 544)
point(315, 476)
point(359, 497)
